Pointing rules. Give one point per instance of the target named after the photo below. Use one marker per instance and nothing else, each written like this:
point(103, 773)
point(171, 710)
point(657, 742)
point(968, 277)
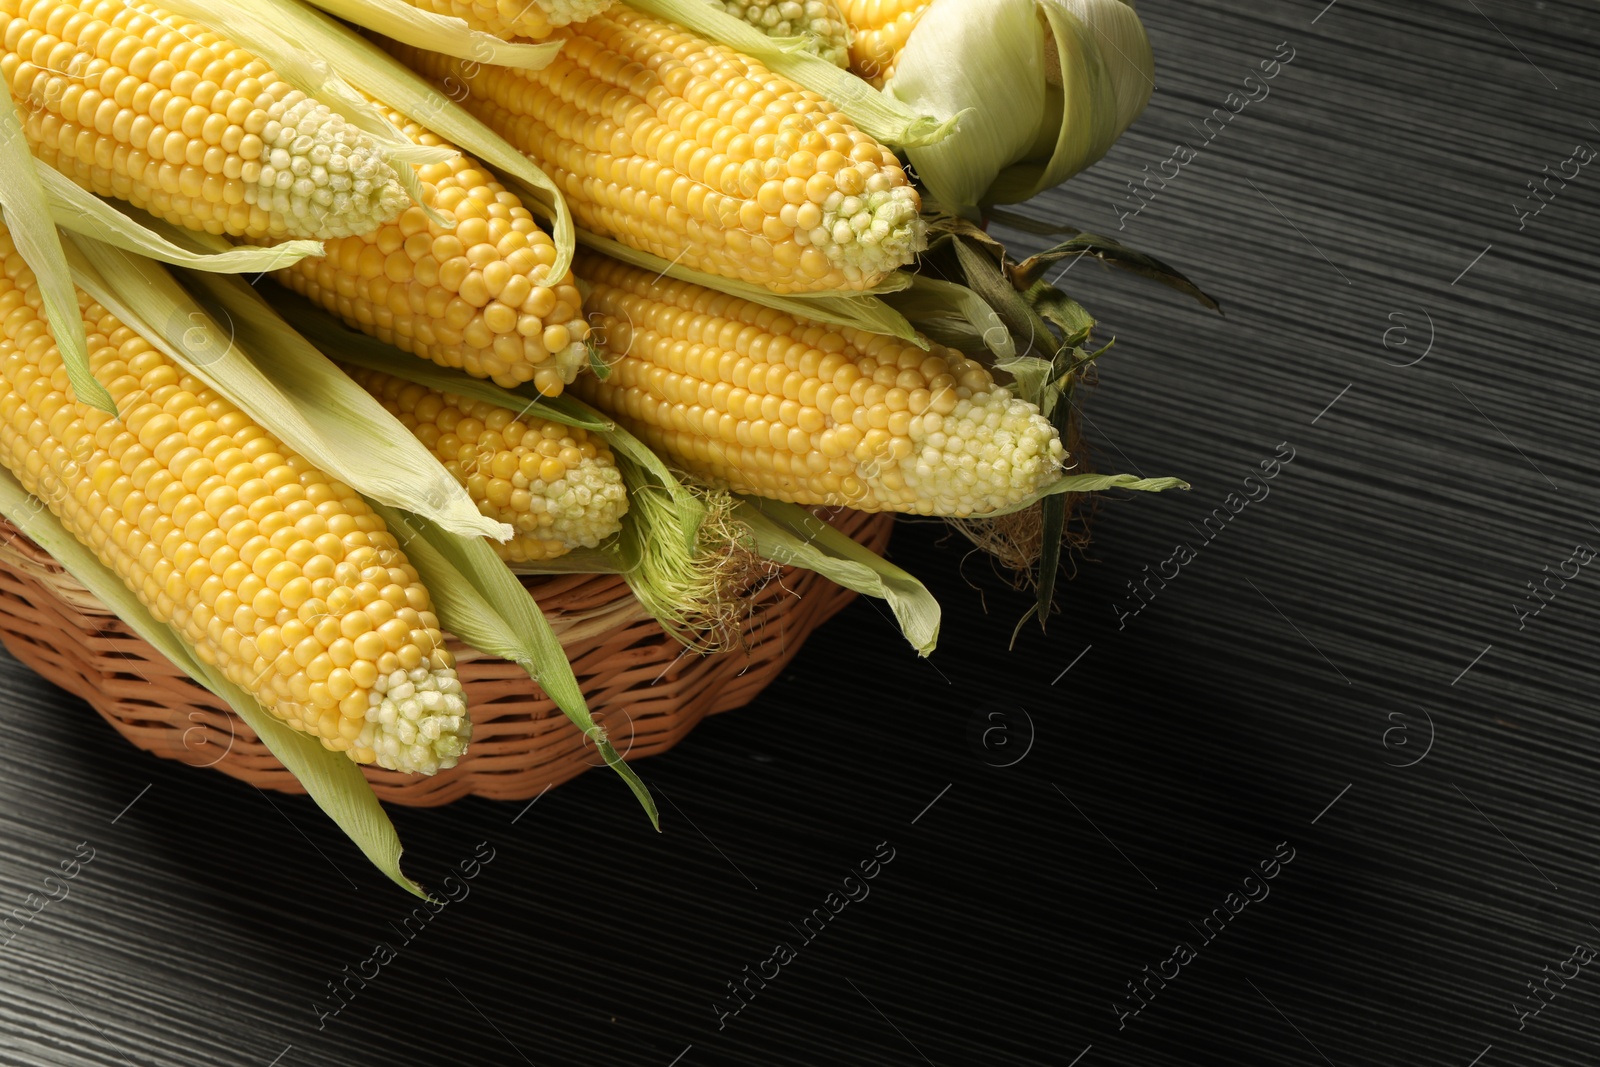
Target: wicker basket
point(641, 684)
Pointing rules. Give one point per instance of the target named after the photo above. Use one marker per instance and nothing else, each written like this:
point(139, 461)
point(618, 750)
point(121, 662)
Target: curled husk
point(1043, 88)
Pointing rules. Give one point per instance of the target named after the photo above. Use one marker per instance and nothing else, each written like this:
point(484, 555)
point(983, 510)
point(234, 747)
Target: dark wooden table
point(1340, 676)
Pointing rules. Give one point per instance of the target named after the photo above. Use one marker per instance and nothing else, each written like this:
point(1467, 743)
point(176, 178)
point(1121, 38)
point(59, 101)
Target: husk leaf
point(1091, 483)
point(1113, 253)
point(33, 231)
point(953, 315)
point(876, 114)
point(346, 346)
point(681, 557)
point(333, 780)
point(691, 565)
point(865, 310)
point(279, 379)
point(1049, 95)
point(422, 28)
point(479, 600)
point(791, 536)
point(126, 227)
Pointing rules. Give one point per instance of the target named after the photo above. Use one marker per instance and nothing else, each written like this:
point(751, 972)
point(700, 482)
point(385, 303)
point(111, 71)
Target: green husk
point(333, 780)
point(876, 114)
point(479, 600)
point(1015, 313)
point(791, 536)
point(678, 551)
point(278, 379)
point(693, 588)
point(1052, 524)
point(861, 311)
point(1112, 253)
point(126, 227)
point(1050, 95)
point(1092, 114)
point(684, 554)
point(346, 346)
point(1091, 483)
point(953, 315)
point(1049, 331)
point(28, 218)
point(422, 28)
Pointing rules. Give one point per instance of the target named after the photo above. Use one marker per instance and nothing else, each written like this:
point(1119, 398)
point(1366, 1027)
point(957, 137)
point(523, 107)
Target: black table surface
point(1339, 689)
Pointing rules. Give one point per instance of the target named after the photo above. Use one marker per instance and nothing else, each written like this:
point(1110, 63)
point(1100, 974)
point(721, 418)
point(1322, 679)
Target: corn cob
point(753, 400)
point(878, 30)
point(475, 297)
point(699, 155)
point(132, 102)
point(516, 18)
point(555, 485)
point(278, 575)
point(819, 20)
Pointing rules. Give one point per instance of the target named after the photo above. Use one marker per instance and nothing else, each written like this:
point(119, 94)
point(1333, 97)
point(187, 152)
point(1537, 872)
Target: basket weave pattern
point(641, 684)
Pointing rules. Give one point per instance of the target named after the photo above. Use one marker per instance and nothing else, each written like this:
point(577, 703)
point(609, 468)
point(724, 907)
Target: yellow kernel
point(364, 673)
point(354, 625)
point(556, 338)
point(394, 633)
point(370, 645)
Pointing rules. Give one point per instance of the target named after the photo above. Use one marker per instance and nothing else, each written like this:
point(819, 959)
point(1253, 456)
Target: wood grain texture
point(1176, 752)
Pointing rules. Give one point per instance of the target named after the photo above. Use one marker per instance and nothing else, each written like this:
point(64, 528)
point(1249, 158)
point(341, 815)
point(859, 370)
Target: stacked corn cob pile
point(739, 317)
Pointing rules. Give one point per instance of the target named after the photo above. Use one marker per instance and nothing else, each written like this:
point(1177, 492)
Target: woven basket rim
point(639, 682)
